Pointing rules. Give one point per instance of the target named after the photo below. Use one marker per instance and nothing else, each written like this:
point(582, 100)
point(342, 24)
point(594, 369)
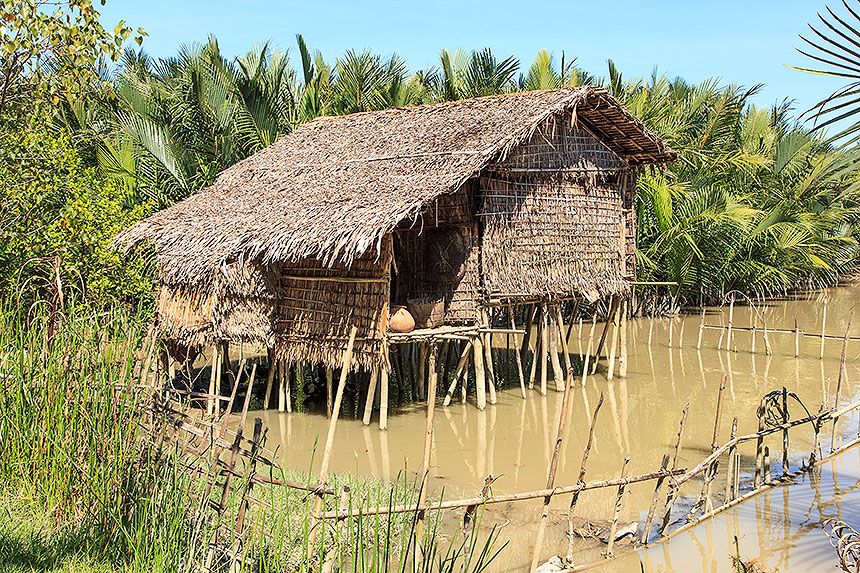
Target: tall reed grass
point(75, 444)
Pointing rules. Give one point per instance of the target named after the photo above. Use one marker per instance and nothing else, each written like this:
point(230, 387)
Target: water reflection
point(514, 439)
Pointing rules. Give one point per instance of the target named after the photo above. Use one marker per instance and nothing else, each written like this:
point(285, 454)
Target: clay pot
point(400, 320)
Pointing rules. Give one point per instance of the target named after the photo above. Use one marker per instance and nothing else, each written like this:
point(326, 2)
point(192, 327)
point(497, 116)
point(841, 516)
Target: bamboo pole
point(518, 357)
point(422, 368)
point(767, 348)
point(564, 346)
point(534, 364)
point(329, 382)
point(590, 348)
point(729, 345)
point(383, 398)
point(428, 443)
point(269, 379)
point(652, 510)
point(839, 381)
point(823, 329)
point(581, 479)
point(530, 310)
point(612, 305)
point(796, 339)
point(785, 431)
point(544, 351)
point(613, 344)
point(614, 528)
point(550, 480)
point(329, 441)
point(681, 333)
point(287, 393)
point(371, 391)
point(622, 362)
point(216, 364)
point(480, 379)
point(553, 350)
point(491, 372)
point(731, 492)
point(462, 363)
point(701, 330)
point(759, 447)
point(674, 487)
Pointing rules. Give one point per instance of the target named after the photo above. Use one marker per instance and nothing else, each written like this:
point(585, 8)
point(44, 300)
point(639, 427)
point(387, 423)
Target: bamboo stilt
point(518, 357)
point(823, 329)
point(610, 315)
point(383, 398)
point(796, 339)
point(622, 361)
point(329, 442)
point(580, 480)
point(544, 351)
point(216, 364)
point(730, 471)
point(652, 510)
point(701, 330)
point(839, 381)
point(614, 528)
point(671, 331)
point(524, 347)
point(564, 347)
point(462, 364)
point(550, 481)
point(729, 345)
point(613, 345)
point(480, 378)
point(785, 431)
point(287, 393)
point(371, 390)
point(590, 348)
point(422, 369)
point(428, 443)
point(491, 372)
point(270, 379)
point(283, 375)
point(553, 351)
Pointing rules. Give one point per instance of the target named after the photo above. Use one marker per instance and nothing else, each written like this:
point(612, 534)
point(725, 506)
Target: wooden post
point(614, 528)
point(610, 315)
point(213, 375)
point(796, 339)
point(613, 345)
point(428, 444)
point(518, 357)
point(652, 510)
point(524, 347)
point(560, 434)
point(270, 378)
point(383, 398)
point(759, 447)
point(729, 345)
point(701, 330)
point(553, 350)
point(329, 441)
point(671, 330)
point(371, 391)
point(839, 380)
point(590, 349)
point(768, 350)
point(681, 333)
point(823, 329)
point(730, 471)
point(329, 382)
point(422, 368)
point(458, 373)
point(299, 380)
point(534, 365)
point(580, 480)
point(544, 352)
point(622, 362)
point(283, 377)
point(785, 431)
point(491, 372)
point(564, 347)
point(673, 491)
point(766, 464)
point(480, 378)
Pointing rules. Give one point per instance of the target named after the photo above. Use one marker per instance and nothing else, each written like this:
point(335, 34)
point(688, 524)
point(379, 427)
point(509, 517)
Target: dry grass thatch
point(332, 189)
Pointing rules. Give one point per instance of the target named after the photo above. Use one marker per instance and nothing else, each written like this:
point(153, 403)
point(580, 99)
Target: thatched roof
point(334, 187)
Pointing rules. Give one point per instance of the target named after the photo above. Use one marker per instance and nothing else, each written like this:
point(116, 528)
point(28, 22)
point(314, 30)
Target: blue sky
point(743, 42)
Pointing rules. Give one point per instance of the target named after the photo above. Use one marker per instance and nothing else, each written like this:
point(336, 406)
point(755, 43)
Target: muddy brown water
point(513, 440)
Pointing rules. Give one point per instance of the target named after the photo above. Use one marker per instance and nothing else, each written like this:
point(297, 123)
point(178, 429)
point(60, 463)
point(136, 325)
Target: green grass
point(85, 488)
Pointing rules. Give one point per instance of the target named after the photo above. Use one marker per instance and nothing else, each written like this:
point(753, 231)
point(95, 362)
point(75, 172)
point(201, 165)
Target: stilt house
point(448, 208)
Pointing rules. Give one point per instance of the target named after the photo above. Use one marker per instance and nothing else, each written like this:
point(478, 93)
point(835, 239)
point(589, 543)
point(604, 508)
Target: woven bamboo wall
point(554, 219)
point(437, 257)
point(312, 317)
